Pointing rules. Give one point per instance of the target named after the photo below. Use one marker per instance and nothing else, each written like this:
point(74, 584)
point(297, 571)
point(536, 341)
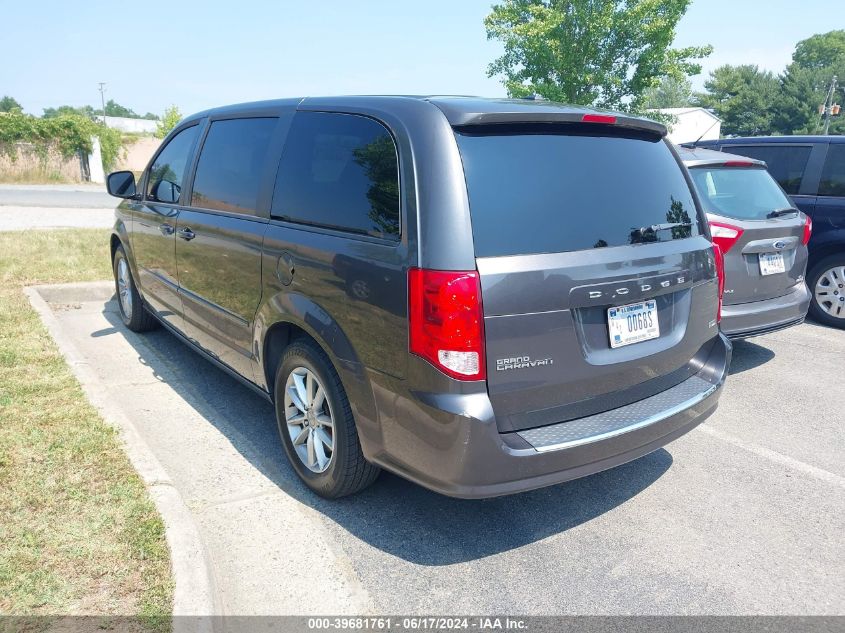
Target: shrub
point(67, 133)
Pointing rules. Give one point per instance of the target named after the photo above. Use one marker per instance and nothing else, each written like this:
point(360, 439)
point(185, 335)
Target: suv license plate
point(771, 263)
point(632, 323)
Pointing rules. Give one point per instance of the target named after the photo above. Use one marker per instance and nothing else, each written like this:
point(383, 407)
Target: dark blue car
point(811, 169)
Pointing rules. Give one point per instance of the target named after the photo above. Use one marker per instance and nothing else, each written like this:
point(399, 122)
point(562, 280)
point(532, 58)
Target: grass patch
point(35, 176)
point(78, 533)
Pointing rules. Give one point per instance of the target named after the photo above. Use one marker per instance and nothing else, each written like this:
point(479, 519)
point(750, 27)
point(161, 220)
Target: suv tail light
point(720, 274)
point(446, 323)
point(724, 235)
point(808, 230)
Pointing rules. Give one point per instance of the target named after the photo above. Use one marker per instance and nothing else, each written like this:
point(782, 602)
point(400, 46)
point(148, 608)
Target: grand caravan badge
point(521, 362)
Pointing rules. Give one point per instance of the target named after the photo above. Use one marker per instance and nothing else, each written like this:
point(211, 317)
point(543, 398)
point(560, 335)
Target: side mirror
point(121, 184)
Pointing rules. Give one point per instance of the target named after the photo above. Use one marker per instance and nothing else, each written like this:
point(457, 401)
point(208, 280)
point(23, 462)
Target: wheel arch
point(291, 316)
point(831, 243)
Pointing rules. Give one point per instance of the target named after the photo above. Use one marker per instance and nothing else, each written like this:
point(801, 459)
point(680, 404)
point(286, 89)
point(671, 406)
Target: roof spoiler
point(587, 118)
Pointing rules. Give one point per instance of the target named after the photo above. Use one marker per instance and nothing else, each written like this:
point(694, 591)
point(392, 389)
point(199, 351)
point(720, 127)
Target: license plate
point(771, 263)
point(633, 323)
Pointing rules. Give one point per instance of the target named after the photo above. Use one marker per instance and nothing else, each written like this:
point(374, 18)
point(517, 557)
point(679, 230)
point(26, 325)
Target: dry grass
point(78, 533)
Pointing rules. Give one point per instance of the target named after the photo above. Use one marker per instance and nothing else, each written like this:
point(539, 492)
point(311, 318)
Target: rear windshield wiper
point(665, 227)
point(654, 228)
point(649, 233)
point(779, 212)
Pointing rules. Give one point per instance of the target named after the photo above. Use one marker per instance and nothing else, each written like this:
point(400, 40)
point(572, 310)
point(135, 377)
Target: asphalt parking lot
point(744, 515)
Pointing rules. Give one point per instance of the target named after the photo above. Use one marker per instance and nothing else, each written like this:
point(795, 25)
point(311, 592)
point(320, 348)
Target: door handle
point(166, 229)
point(186, 234)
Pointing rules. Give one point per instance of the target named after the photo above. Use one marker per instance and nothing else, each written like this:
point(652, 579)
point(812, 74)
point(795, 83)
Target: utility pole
point(828, 104)
point(103, 100)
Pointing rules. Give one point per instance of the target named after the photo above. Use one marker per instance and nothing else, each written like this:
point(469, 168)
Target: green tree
point(742, 96)
point(9, 104)
point(603, 53)
point(820, 51)
point(66, 110)
point(671, 92)
point(115, 109)
point(169, 120)
point(806, 81)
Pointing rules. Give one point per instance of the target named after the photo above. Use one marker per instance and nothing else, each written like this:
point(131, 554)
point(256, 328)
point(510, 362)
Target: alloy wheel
point(124, 287)
point(309, 420)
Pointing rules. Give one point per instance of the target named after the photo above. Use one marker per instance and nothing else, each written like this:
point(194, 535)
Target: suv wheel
point(316, 424)
point(133, 313)
point(827, 285)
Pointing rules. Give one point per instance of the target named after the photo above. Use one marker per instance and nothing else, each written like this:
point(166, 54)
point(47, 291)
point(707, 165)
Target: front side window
point(339, 171)
point(168, 170)
point(786, 163)
point(231, 164)
point(833, 174)
point(738, 192)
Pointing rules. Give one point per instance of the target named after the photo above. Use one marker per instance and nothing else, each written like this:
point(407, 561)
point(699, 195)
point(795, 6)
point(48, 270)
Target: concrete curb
point(194, 593)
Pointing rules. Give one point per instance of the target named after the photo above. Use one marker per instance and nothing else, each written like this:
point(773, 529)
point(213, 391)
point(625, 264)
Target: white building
point(693, 124)
point(124, 124)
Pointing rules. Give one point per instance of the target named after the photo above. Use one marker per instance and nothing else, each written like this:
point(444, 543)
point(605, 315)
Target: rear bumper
point(743, 320)
point(457, 450)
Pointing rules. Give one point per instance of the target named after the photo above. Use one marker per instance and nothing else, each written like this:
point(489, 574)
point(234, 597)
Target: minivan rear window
point(549, 190)
point(739, 193)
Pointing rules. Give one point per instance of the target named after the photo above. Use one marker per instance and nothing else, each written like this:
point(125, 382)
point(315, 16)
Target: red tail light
point(720, 273)
point(739, 163)
point(598, 118)
point(808, 230)
point(724, 235)
point(446, 323)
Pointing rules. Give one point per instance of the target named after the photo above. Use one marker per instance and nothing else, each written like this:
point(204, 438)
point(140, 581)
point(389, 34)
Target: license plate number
point(632, 323)
point(772, 263)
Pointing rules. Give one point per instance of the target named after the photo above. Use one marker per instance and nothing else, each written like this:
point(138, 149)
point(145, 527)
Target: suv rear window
point(536, 191)
point(786, 163)
point(739, 193)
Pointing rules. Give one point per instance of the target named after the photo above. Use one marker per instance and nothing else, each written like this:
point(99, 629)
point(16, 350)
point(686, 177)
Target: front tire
point(133, 313)
point(826, 281)
point(316, 424)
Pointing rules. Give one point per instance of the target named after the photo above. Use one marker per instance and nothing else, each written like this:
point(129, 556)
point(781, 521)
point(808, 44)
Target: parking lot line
point(774, 456)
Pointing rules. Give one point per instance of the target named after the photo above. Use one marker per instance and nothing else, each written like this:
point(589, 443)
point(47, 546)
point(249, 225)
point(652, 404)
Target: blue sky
point(155, 53)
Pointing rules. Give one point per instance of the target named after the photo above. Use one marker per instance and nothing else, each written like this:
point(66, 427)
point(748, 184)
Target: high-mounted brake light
point(720, 274)
point(598, 118)
point(739, 163)
point(724, 235)
point(808, 231)
point(446, 322)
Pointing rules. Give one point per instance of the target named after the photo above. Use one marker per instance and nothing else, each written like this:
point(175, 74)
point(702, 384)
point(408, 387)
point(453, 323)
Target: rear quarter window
point(833, 175)
point(543, 192)
point(786, 163)
point(339, 171)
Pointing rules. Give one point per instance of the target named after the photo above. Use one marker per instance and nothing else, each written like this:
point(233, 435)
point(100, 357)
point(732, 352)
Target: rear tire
point(826, 281)
point(132, 310)
point(316, 424)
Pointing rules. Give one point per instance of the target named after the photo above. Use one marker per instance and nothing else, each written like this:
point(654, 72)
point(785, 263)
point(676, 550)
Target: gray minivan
point(763, 238)
point(483, 296)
